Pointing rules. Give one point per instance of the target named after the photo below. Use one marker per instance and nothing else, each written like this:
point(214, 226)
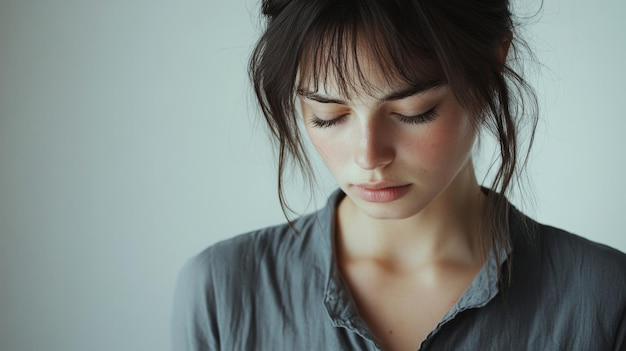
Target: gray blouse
point(274, 289)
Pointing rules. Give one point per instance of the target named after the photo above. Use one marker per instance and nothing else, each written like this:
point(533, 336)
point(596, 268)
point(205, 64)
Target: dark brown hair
point(461, 42)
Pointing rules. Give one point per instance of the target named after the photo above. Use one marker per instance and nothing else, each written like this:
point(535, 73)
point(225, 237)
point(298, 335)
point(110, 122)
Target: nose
point(374, 149)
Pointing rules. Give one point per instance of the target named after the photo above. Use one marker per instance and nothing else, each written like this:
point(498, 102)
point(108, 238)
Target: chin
point(395, 210)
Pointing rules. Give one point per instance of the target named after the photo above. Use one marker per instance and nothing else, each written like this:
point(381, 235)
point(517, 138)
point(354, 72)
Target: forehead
point(363, 63)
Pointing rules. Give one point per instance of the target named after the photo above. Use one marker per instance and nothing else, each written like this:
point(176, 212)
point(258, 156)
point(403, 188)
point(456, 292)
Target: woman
point(411, 252)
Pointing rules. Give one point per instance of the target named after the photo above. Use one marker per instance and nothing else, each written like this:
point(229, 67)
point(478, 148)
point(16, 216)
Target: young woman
point(411, 252)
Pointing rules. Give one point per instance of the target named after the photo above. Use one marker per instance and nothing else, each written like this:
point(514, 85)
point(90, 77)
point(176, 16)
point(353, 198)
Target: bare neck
point(444, 231)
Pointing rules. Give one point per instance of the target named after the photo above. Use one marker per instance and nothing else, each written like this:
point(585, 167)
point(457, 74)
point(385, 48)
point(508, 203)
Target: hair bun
point(273, 8)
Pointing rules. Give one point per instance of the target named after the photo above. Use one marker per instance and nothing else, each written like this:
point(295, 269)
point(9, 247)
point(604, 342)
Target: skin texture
point(371, 144)
point(407, 258)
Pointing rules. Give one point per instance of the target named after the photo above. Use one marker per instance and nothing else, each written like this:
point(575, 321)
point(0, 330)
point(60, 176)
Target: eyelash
point(323, 123)
point(419, 119)
point(416, 119)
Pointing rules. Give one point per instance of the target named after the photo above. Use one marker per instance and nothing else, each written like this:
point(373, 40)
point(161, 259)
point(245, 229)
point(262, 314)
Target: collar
point(338, 301)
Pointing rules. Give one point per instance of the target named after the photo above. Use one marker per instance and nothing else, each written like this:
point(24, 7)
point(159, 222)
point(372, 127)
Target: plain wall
point(129, 141)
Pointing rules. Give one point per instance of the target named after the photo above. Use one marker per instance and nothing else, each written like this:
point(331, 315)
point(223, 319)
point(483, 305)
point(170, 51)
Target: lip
point(381, 191)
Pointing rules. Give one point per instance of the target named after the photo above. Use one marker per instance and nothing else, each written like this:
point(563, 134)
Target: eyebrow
point(394, 96)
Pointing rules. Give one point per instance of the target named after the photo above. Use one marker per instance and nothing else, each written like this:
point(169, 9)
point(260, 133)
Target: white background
point(129, 141)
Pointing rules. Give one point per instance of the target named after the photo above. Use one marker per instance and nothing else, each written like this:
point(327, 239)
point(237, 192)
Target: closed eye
point(418, 119)
point(326, 123)
point(415, 119)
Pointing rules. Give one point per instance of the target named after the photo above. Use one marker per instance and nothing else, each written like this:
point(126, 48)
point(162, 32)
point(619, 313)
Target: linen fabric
point(274, 289)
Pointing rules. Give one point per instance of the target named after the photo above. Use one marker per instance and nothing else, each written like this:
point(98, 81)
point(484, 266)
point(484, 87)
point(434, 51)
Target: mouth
point(379, 185)
point(381, 191)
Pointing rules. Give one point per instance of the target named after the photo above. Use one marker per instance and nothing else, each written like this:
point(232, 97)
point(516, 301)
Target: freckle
point(390, 332)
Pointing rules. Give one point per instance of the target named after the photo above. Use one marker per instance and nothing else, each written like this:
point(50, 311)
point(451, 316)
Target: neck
point(447, 229)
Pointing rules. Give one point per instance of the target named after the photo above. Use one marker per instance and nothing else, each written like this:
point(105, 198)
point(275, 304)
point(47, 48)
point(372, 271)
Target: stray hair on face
point(308, 44)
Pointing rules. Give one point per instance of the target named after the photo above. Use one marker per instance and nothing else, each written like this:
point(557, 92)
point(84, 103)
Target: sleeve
point(194, 322)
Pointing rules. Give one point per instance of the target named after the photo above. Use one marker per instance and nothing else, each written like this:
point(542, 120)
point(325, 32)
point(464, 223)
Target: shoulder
point(582, 256)
point(268, 246)
point(562, 248)
point(247, 261)
point(569, 265)
point(224, 289)
point(307, 239)
point(570, 283)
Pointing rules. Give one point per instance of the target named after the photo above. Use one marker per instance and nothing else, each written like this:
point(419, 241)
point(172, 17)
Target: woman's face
point(392, 153)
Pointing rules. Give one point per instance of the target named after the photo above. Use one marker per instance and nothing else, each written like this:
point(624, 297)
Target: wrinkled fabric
point(275, 289)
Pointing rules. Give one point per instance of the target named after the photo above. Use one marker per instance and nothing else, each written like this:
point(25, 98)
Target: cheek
point(331, 144)
point(446, 142)
point(329, 148)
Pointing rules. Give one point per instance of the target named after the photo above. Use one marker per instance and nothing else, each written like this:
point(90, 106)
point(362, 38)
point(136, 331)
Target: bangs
point(364, 50)
point(368, 47)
